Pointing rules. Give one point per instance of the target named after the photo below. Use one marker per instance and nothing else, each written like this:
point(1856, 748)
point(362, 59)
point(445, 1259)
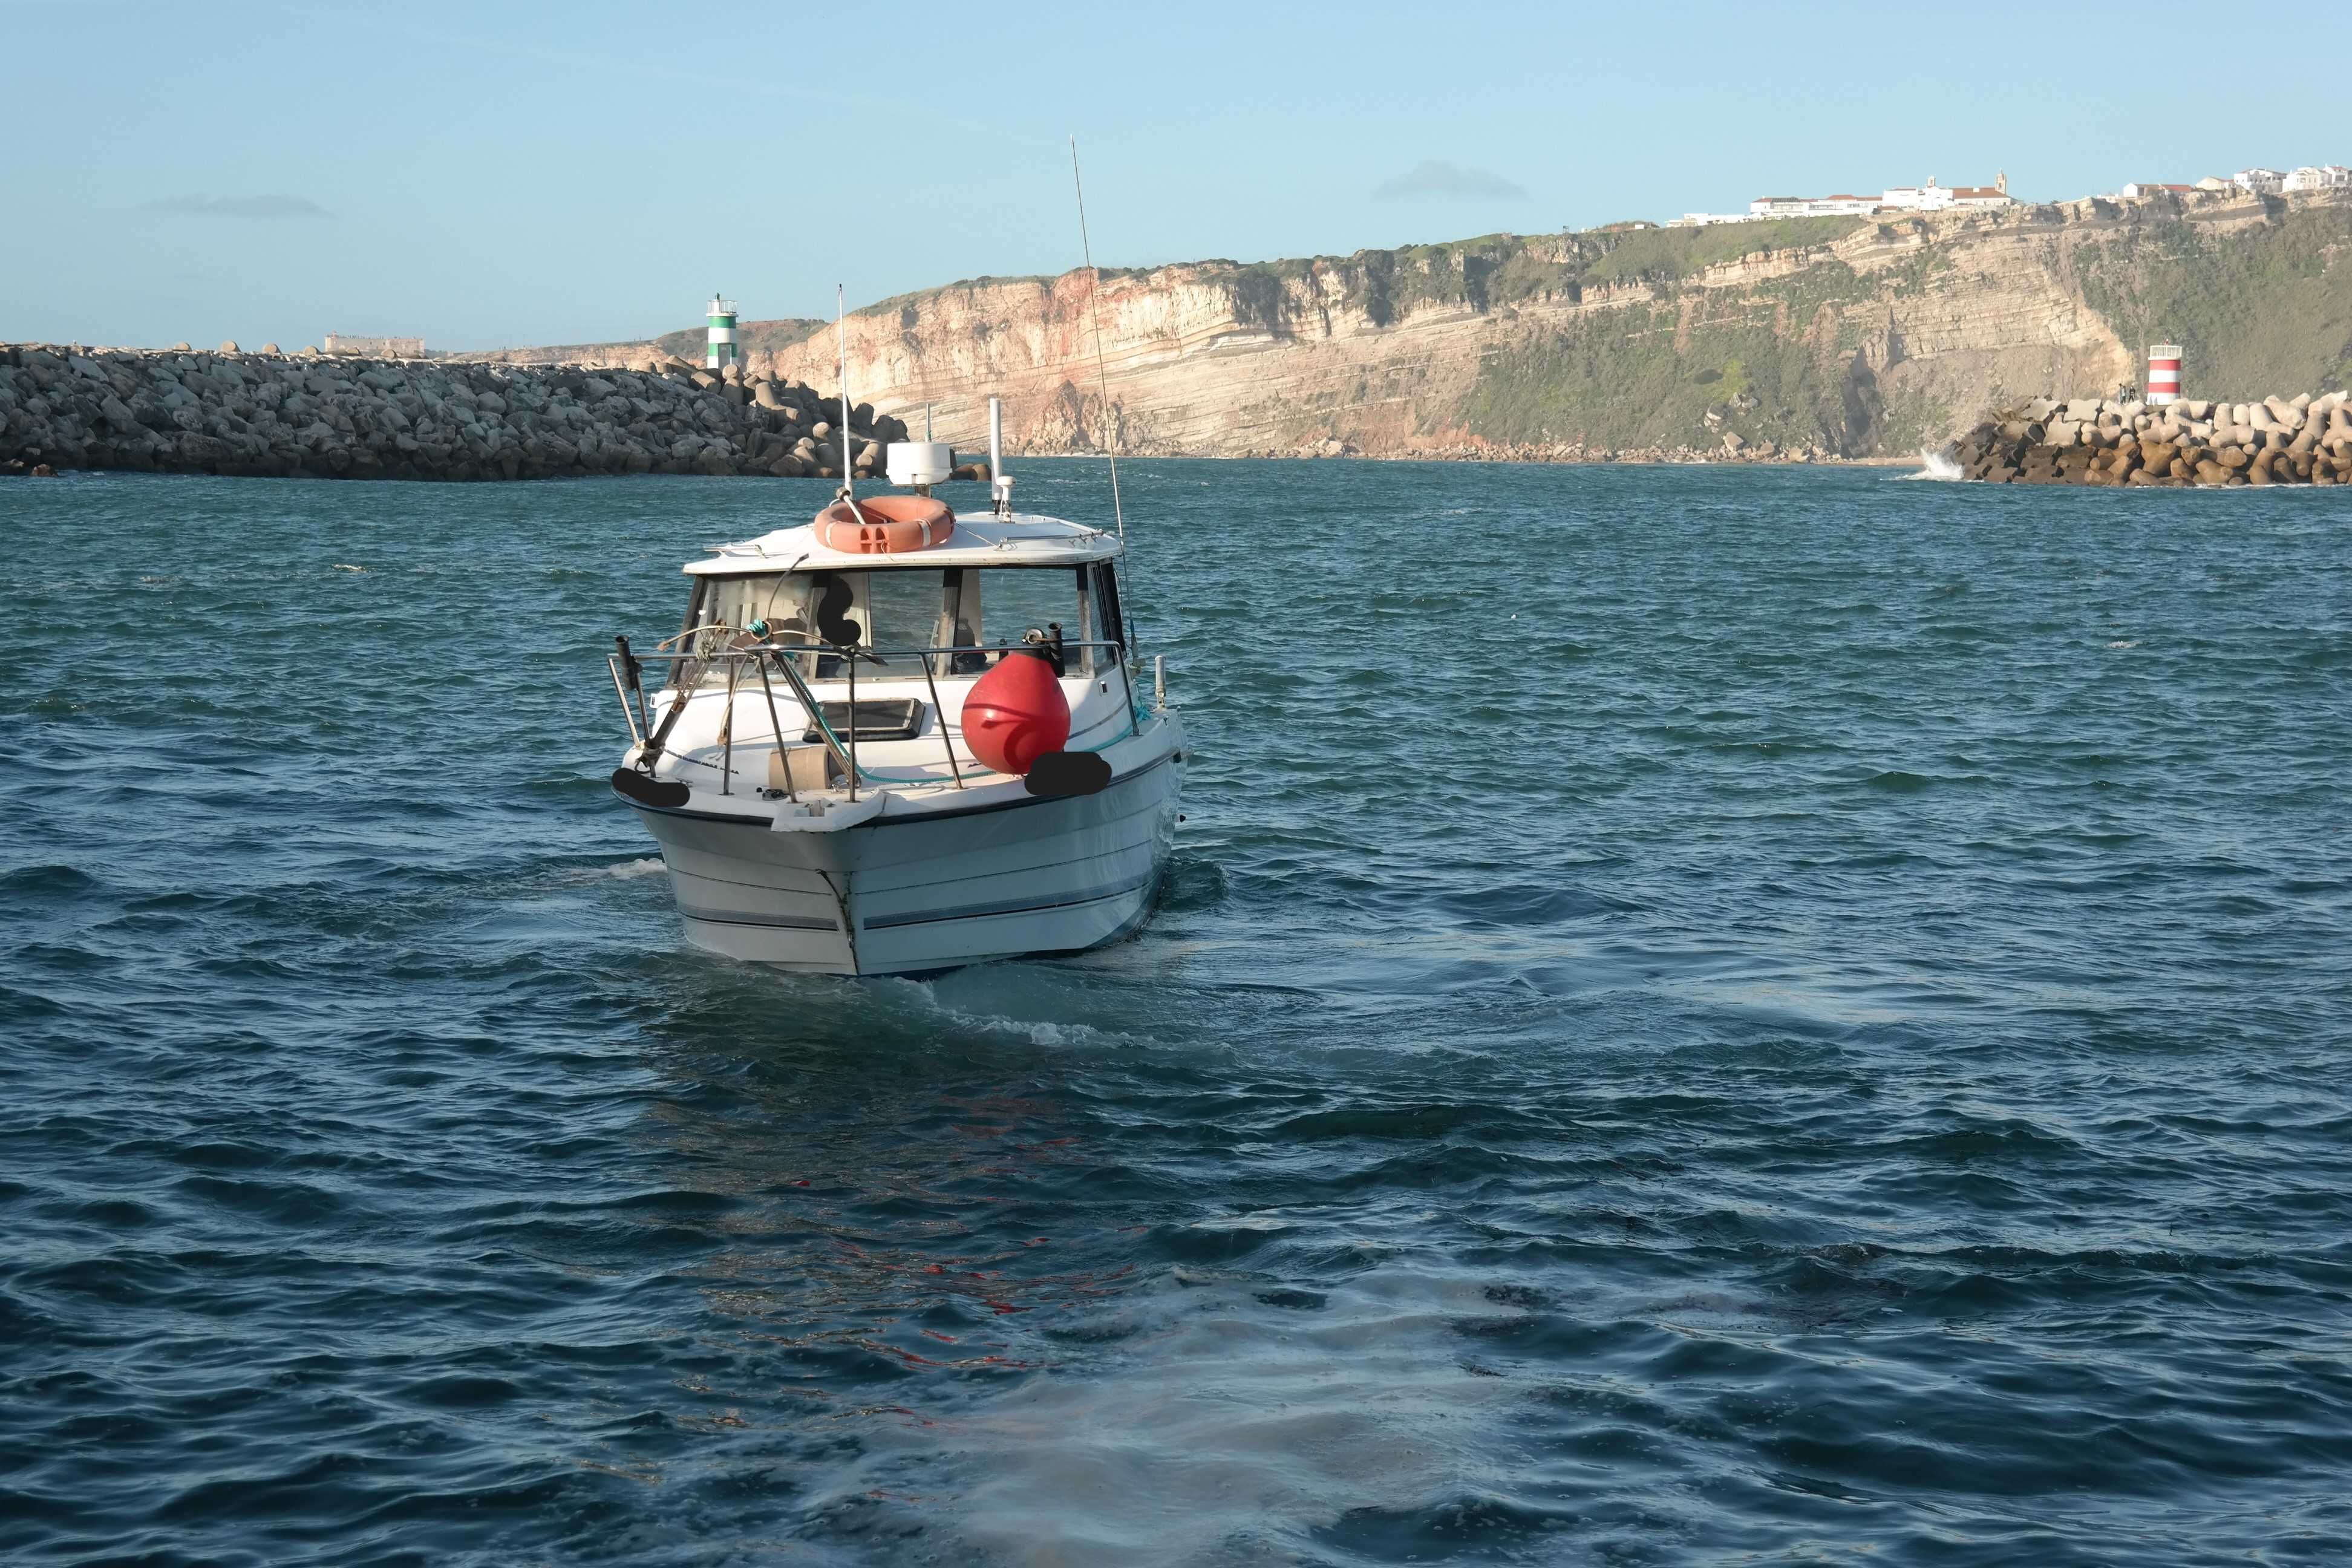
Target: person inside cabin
point(834, 624)
point(832, 600)
point(959, 620)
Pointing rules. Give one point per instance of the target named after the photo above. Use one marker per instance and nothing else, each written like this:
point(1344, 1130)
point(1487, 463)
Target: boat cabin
point(885, 647)
point(968, 598)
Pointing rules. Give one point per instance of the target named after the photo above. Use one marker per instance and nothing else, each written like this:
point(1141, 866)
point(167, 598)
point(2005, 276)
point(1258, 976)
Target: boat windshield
point(982, 608)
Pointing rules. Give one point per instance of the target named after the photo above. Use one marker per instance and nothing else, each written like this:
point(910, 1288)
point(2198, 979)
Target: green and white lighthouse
point(722, 351)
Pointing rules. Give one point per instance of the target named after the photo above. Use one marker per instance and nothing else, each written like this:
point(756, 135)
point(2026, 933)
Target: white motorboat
point(806, 769)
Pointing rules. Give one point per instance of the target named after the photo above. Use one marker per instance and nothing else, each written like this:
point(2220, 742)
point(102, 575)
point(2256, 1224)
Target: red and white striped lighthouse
point(2164, 373)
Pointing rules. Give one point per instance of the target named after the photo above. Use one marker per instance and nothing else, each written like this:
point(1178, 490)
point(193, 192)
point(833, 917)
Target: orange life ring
point(885, 525)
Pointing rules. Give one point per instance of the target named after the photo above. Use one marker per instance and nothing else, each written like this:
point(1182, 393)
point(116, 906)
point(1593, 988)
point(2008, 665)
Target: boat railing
point(690, 665)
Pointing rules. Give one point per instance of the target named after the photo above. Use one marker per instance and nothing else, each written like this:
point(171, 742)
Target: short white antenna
point(999, 485)
point(1094, 305)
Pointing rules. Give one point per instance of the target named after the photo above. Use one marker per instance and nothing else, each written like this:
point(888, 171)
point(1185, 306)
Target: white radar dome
point(919, 462)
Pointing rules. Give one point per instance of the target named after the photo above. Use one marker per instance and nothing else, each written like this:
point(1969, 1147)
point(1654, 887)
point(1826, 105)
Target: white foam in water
point(1227, 1423)
point(347, 566)
point(645, 868)
point(1935, 466)
point(1037, 1031)
point(988, 998)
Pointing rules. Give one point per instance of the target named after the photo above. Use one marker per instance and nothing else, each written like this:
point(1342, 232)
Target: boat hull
point(927, 891)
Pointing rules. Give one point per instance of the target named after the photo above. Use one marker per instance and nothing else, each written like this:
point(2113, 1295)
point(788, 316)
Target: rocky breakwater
point(2278, 441)
point(306, 415)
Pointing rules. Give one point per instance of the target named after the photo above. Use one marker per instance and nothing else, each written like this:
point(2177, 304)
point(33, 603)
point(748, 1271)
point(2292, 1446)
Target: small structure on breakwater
point(313, 416)
point(722, 350)
point(2110, 441)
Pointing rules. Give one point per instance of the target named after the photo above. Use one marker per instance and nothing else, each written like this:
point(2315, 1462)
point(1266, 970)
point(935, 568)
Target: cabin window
point(736, 601)
point(981, 608)
point(1013, 599)
point(1110, 617)
point(902, 610)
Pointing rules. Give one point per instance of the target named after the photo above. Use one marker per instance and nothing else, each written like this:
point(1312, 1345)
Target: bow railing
point(766, 658)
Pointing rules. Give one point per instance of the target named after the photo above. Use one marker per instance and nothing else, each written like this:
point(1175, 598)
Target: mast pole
point(1102, 373)
point(841, 343)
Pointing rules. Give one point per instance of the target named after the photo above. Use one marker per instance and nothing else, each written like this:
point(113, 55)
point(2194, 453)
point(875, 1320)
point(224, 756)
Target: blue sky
point(485, 174)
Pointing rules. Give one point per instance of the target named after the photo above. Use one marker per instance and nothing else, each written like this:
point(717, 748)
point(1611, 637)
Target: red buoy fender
point(885, 525)
point(1016, 713)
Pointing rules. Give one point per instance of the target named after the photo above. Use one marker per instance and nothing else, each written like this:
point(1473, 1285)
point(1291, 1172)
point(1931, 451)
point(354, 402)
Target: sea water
point(1698, 1016)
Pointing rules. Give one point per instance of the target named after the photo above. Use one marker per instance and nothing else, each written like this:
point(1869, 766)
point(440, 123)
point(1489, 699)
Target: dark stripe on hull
point(1011, 906)
point(780, 923)
point(1127, 931)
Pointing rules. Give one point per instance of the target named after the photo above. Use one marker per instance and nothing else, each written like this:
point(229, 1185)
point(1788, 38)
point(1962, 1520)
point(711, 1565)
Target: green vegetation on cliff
point(1670, 255)
point(1651, 372)
point(2261, 309)
point(1497, 270)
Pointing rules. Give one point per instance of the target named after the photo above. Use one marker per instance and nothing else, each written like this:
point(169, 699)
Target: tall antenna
point(1094, 308)
point(841, 347)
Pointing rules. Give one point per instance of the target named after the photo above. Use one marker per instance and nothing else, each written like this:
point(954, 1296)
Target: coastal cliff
point(1824, 337)
point(1803, 340)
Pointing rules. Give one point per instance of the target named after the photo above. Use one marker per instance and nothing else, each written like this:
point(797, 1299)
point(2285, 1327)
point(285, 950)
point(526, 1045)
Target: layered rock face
point(2087, 441)
point(1831, 337)
point(265, 413)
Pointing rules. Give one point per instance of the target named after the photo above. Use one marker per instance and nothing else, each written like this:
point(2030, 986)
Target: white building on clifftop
point(2326, 177)
point(1993, 196)
point(1813, 207)
point(1930, 197)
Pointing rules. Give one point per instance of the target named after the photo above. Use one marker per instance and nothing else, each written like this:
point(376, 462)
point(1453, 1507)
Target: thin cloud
point(241, 206)
point(1436, 177)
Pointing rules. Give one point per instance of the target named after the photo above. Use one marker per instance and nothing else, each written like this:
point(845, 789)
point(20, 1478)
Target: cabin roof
point(1024, 539)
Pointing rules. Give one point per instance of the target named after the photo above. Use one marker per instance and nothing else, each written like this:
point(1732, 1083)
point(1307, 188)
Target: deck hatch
point(888, 720)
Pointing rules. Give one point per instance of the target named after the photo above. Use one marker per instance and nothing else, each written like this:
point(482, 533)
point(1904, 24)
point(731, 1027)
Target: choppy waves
point(1822, 1038)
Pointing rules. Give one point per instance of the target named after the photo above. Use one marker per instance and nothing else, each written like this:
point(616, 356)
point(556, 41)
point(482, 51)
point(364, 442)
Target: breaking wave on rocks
point(1934, 465)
